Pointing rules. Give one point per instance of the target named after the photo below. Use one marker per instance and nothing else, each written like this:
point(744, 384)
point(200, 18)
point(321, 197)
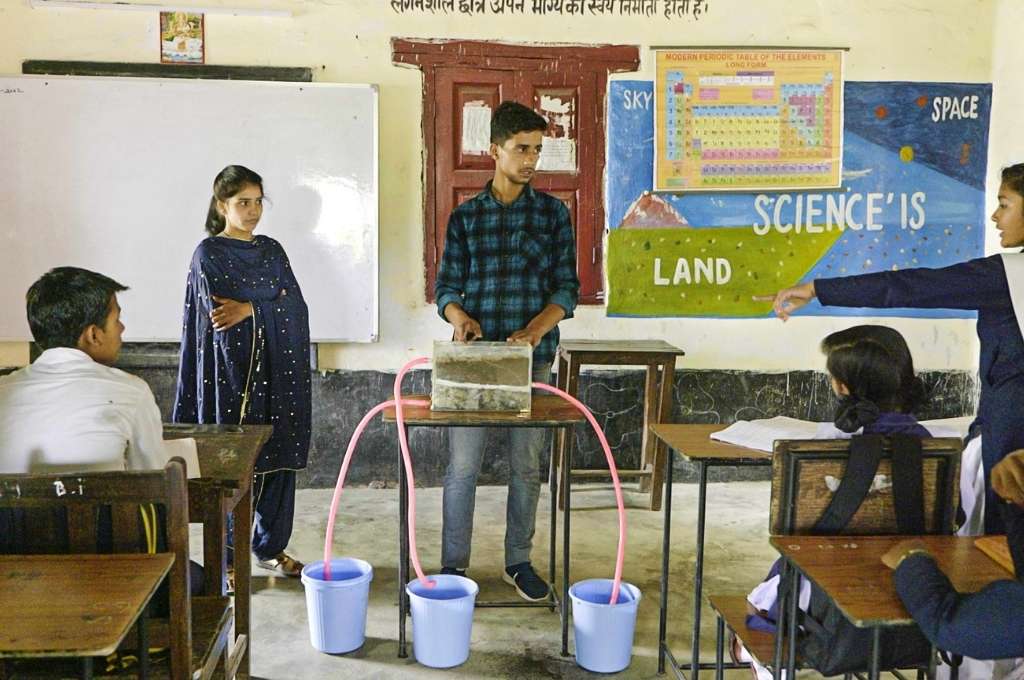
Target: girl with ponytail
point(245, 352)
point(872, 373)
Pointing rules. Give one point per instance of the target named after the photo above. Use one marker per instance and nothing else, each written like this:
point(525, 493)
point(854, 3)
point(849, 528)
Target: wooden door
point(465, 99)
point(567, 98)
point(461, 77)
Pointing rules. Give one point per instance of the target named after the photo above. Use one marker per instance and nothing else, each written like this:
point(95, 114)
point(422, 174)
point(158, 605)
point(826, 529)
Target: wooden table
point(227, 458)
point(548, 411)
point(849, 570)
point(693, 443)
point(75, 605)
point(655, 355)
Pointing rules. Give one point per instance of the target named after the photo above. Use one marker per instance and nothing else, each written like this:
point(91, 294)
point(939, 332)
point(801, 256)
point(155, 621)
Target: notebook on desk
point(762, 434)
point(996, 548)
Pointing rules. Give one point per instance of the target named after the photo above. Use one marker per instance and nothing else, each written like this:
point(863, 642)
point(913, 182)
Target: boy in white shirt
point(70, 410)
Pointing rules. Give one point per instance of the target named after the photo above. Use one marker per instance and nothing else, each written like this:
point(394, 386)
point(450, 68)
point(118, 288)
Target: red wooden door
point(465, 99)
point(567, 98)
point(566, 84)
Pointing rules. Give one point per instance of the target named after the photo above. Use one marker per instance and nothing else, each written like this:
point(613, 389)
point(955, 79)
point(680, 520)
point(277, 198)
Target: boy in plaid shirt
point(508, 273)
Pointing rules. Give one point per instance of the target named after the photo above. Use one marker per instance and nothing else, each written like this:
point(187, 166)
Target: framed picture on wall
point(742, 119)
point(182, 38)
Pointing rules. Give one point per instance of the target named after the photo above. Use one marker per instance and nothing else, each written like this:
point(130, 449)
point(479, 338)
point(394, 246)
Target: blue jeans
point(466, 450)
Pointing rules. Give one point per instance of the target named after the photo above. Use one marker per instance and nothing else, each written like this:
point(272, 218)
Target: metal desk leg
point(143, 645)
point(243, 574)
point(955, 661)
point(565, 495)
point(876, 651)
point(665, 542)
point(720, 649)
point(932, 662)
point(87, 668)
point(553, 527)
point(403, 553)
point(791, 631)
point(780, 624)
point(698, 576)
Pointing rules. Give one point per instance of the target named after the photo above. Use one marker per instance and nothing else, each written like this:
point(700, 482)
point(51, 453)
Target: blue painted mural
point(912, 196)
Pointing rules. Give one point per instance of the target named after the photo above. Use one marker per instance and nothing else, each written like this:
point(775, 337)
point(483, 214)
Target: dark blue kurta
point(984, 625)
point(259, 366)
point(979, 285)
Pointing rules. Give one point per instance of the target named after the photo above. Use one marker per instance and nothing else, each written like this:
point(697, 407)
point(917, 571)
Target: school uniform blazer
point(983, 625)
point(979, 285)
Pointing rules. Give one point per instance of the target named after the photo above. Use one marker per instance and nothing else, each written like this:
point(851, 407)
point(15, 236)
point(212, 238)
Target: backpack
point(828, 642)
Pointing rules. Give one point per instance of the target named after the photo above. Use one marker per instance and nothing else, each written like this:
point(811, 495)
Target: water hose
point(399, 403)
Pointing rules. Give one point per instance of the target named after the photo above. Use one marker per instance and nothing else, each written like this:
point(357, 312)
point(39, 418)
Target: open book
point(184, 448)
point(762, 434)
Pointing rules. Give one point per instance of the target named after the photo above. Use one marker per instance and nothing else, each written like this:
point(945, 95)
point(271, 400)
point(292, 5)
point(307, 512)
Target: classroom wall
point(349, 41)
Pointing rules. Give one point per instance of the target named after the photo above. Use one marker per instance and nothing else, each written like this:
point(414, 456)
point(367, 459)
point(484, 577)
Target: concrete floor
point(512, 643)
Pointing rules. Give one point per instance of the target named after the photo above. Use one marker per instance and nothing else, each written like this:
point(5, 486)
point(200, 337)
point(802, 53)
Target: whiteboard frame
point(370, 332)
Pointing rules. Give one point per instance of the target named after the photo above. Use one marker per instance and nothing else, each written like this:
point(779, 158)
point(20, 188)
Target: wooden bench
point(68, 514)
point(732, 615)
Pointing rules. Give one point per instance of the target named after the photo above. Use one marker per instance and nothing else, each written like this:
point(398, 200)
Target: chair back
point(101, 512)
point(806, 474)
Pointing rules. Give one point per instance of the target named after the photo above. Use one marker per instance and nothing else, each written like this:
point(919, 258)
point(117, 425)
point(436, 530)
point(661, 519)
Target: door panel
point(568, 99)
point(465, 97)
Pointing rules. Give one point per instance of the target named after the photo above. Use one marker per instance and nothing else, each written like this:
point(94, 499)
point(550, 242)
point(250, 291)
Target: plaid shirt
point(504, 263)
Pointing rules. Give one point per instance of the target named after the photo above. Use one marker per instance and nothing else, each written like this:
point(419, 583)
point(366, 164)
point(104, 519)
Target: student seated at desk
point(988, 624)
point(872, 374)
point(70, 410)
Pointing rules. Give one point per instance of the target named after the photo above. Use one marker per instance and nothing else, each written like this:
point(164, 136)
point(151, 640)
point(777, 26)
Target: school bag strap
point(908, 483)
point(861, 465)
point(866, 453)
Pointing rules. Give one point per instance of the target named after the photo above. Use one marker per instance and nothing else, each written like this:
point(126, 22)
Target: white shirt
point(68, 413)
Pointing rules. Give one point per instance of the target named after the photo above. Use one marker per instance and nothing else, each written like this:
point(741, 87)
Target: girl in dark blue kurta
point(979, 285)
point(245, 352)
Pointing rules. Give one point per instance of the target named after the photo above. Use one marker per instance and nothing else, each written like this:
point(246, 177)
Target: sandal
point(283, 564)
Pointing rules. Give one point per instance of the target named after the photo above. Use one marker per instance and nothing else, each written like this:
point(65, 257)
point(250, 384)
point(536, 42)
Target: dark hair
point(65, 301)
point(874, 362)
point(511, 118)
point(1013, 177)
point(229, 182)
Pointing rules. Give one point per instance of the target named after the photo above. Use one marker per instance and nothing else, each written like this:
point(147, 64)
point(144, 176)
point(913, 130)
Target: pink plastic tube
point(621, 554)
point(407, 461)
point(329, 539)
point(399, 403)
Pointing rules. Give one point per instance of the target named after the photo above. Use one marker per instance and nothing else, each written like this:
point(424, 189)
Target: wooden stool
point(655, 355)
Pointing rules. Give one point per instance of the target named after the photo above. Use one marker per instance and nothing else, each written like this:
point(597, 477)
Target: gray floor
point(511, 643)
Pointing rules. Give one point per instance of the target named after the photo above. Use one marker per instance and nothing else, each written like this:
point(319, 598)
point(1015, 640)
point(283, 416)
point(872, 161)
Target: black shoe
point(529, 585)
point(452, 571)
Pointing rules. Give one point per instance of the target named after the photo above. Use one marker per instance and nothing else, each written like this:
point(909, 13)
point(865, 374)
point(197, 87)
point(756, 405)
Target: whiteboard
point(115, 175)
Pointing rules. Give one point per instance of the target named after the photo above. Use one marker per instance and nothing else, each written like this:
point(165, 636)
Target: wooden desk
point(849, 570)
point(693, 443)
point(660, 359)
point(74, 605)
point(547, 410)
point(227, 458)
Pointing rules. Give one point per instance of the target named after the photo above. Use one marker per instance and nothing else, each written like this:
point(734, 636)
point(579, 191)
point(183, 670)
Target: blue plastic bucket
point(337, 608)
point(442, 619)
point(603, 632)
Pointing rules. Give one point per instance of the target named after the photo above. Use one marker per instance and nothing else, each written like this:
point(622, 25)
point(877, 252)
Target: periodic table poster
point(741, 119)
